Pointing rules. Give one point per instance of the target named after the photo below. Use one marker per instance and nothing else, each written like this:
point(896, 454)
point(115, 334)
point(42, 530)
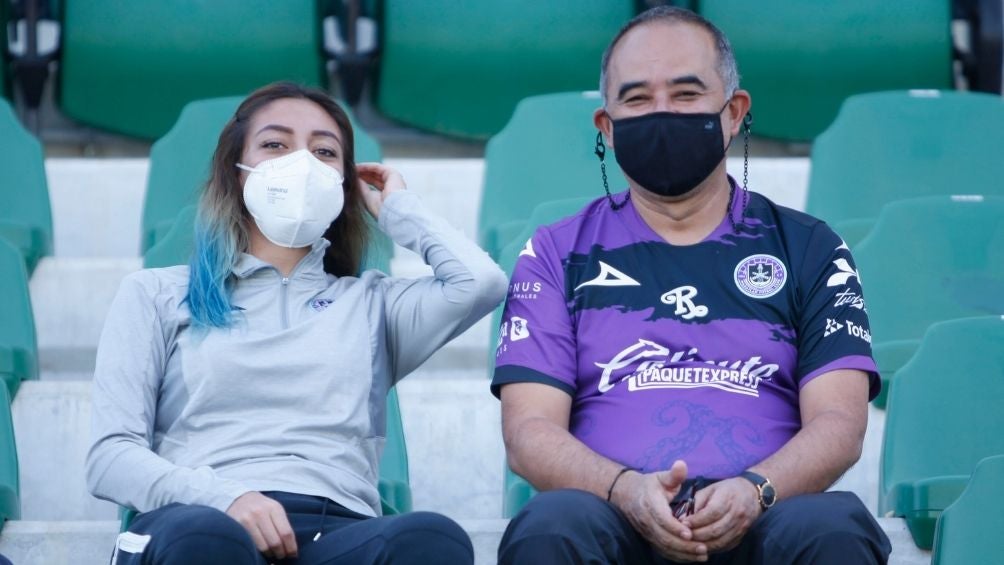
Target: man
point(684, 328)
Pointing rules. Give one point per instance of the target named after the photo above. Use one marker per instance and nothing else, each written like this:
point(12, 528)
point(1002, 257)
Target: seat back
point(516, 490)
point(10, 488)
point(969, 531)
point(944, 409)
point(799, 62)
point(129, 67)
point(889, 146)
point(460, 66)
point(180, 161)
point(545, 152)
point(18, 352)
point(25, 217)
point(932, 259)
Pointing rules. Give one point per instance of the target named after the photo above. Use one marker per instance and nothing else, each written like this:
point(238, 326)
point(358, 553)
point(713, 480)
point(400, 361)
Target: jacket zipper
point(283, 306)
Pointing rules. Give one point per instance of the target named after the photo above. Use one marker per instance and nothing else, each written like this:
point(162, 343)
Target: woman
point(239, 402)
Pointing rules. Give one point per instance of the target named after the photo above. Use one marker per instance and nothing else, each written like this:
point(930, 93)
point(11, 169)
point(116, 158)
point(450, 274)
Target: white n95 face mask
point(294, 198)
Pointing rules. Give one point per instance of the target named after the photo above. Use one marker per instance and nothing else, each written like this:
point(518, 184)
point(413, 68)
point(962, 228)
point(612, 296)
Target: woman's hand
point(384, 179)
point(266, 521)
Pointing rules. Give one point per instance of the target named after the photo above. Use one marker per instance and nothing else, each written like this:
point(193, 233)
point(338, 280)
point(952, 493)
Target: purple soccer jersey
point(684, 352)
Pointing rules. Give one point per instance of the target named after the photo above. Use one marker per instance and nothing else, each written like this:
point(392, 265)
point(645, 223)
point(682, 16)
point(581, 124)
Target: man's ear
point(739, 106)
point(603, 123)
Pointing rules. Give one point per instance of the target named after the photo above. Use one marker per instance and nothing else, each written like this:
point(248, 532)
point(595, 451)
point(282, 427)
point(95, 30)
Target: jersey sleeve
point(833, 329)
point(536, 341)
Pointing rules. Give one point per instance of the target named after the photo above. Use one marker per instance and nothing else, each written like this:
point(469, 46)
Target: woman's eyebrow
point(326, 133)
point(274, 127)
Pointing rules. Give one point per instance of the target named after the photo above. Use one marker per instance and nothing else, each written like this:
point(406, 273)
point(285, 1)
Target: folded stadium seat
point(927, 260)
point(516, 490)
point(969, 531)
point(129, 67)
point(545, 152)
point(18, 350)
point(10, 497)
point(800, 61)
point(943, 418)
point(25, 218)
point(459, 67)
point(179, 162)
point(889, 146)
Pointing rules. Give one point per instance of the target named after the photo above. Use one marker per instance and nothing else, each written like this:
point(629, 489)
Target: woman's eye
point(325, 152)
point(271, 145)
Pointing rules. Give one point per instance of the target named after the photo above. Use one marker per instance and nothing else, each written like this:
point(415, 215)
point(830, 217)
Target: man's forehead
point(685, 47)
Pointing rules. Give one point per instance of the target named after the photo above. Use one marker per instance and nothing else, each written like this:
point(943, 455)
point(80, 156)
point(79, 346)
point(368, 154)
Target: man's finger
point(674, 477)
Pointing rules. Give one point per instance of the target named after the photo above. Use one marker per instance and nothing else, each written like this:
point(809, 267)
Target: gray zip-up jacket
point(292, 397)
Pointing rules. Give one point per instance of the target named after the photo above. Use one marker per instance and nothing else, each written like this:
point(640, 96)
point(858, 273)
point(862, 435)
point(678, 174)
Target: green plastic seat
point(10, 488)
point(927, 260)
point(179, 162)
point(459, 67)
point(130, 67)
point(544, 153)
point(943, 418)
point(394, 483)
point(800, 60)
point(969, 531)
point(890, 146)
point(18, 350)
point(516, 490)
point(25, 218)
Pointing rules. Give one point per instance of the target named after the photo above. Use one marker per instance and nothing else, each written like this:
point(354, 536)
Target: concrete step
point(90, 543)
point(451, 425)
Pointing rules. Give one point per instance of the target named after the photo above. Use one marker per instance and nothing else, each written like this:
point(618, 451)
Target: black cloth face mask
point(669, 153)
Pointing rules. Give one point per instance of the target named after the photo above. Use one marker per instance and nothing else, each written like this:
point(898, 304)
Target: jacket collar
point(311, 266)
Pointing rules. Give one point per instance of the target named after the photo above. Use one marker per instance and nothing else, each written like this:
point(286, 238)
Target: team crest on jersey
point(760, 276)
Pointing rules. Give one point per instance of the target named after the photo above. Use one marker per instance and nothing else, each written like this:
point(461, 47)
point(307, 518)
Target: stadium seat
point(179, 162)
point(394, 484)
point(18, 352)
point(943, 418)
point(10, 490)
point(969, 531)
point(130, 67)
point(927, 260)
point(893, 145)
point(516, 491)
point(25, 219)
point(544, 153)
point(799, 61)
point(459, 67)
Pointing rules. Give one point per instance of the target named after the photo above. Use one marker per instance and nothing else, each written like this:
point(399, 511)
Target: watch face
point(768, 495)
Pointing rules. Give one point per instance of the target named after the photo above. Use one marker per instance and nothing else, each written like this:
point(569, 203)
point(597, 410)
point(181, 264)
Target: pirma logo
point(843, 274)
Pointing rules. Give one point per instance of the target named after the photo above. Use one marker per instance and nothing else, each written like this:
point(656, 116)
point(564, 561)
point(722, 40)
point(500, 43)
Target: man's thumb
point(674, 477)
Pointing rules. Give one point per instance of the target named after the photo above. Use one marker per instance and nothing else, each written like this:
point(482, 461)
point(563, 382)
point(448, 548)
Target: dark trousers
point(573, 526)
point(182, 534)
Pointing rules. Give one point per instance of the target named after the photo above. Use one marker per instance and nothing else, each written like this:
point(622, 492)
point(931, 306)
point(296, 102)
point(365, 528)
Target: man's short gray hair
point(727, 69)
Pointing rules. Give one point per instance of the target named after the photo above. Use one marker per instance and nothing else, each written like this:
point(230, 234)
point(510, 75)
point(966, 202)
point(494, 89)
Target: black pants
point(573, 526)
point(182, 534)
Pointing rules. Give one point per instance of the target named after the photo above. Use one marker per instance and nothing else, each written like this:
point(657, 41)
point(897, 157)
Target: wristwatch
point(765, 490)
